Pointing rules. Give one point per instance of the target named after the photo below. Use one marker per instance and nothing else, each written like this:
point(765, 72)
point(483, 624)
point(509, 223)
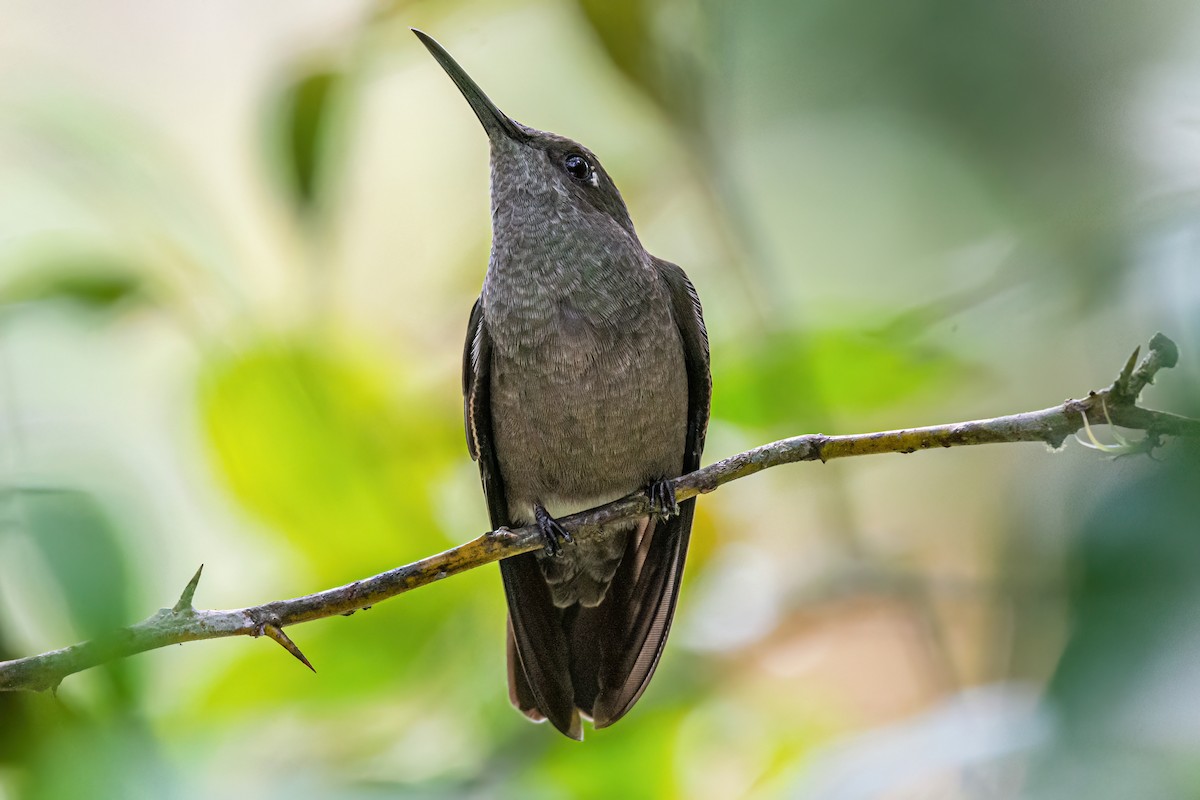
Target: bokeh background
point(238, 245)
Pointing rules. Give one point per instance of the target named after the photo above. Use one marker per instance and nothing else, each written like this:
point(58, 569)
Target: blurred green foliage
point(80, 546)
point(670, 70)
point(91, 289)
point(314, 441)
point(781, 378)
point(212, 351)
point(1130, 659)
point(302, 131)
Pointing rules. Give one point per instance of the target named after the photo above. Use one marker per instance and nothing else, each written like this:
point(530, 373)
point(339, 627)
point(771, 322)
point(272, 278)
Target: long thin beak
point(495, 122)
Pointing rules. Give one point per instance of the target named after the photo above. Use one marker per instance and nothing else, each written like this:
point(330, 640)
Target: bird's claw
point(552, 533)
point(662, 498)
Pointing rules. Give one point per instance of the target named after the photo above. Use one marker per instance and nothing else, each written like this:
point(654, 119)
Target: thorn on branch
point(1127, 371)
point(189, 591)
point(276, 634)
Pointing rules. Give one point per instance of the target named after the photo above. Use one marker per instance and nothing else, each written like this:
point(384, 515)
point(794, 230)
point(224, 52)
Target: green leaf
point(304, 117)
point(15, 733)
point(319, 445)
point(91, 284)
point(81, 548)
point(783, 381)
point(665, 67)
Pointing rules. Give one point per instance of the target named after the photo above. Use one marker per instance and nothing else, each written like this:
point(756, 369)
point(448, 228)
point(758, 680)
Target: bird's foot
point(662, 498)
point(553, 533)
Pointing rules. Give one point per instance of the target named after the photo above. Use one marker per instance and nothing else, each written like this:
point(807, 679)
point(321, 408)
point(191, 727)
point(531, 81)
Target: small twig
point(1115, 405)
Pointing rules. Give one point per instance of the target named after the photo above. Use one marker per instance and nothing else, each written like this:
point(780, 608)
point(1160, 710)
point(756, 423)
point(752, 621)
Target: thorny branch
point(1115, 405)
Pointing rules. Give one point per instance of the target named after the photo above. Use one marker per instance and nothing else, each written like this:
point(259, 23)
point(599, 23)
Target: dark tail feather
point(519, 691)
point(583, 632)
point(614, 648)
point(597, 634)
point(638, 625)
point(538, 648)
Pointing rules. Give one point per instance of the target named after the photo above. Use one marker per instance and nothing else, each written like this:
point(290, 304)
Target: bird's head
point(539, 180)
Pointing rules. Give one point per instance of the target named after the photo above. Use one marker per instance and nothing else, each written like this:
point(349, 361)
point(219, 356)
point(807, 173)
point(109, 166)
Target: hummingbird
point(585, 378)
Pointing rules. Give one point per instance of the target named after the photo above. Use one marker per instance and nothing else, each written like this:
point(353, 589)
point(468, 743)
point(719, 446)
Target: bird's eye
point(577, 167)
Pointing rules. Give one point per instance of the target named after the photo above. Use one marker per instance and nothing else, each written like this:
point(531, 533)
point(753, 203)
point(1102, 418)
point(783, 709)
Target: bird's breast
point(587, 404)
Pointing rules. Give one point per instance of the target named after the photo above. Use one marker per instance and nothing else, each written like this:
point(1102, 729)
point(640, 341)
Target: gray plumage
point(585, 378)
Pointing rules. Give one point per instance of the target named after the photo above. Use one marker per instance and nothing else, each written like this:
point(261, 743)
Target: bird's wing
point(539, 677)
point(642, 596)
point(689, 316)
